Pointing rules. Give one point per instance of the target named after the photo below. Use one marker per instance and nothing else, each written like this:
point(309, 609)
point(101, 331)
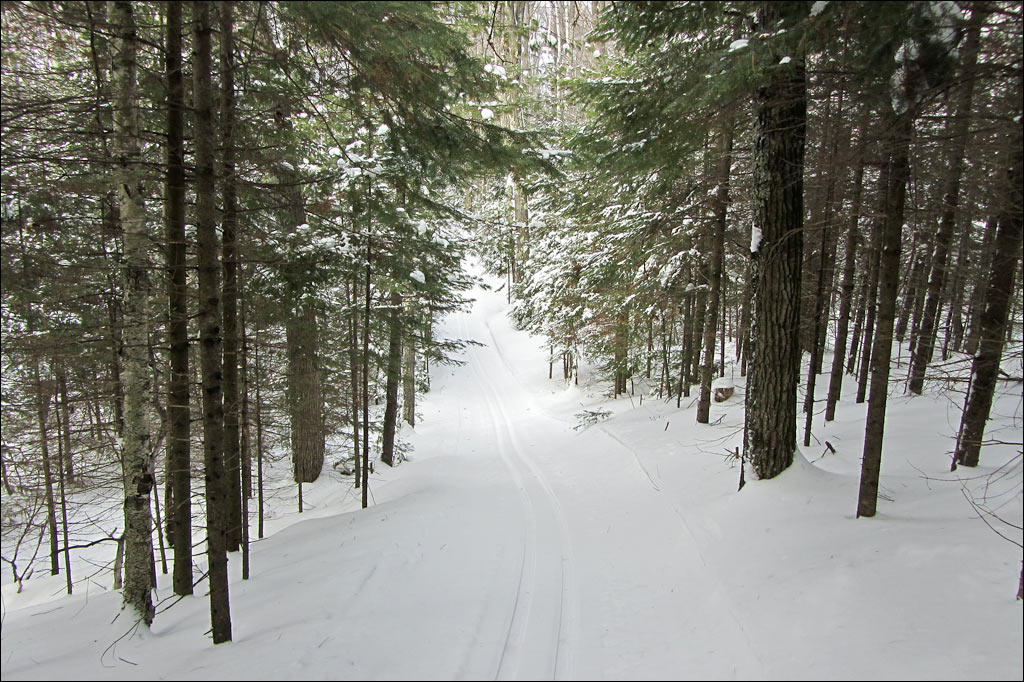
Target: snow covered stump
point(723, 389)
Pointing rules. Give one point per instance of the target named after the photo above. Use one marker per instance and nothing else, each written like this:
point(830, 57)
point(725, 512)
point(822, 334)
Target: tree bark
point(304, 390)
point(777, 257)
point(955, 161)
point(210, 331)
point(393, 379)
point(179, 443)
point(229, 228)
point(835, 384)
point(137, 446)
point(1000, 287)
point(42, 413)
point(874, 261)
point(902, 127)
point(721, 207)
point(409, 376)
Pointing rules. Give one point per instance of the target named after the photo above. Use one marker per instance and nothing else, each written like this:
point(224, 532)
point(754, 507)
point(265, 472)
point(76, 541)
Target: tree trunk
point(352, 291)
point(42, 412)
point(178, 504)
point(958, 128)
point(777, 257)
point(210, 331)
point(721, 206)
point(64, 419)
point(409, 376)
point(366, 376)
point(874, 261)
point(393, 380)
point(960, 335)
point(137, 446)
point(305, 399)
point(229, 225)
point(835, 384)
point(985, 367)
point(888, 282)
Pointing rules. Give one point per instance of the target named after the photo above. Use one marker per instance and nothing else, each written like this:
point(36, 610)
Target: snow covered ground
point(519, 543)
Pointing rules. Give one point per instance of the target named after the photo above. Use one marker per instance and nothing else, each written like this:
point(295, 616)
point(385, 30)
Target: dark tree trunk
point(915, 263)
point(409, 376)
point(874, 263)
point(305, 399)
point(393, 380)
point(959, 335)
point(178, 503)
point(210, 331)
point(721, 206)
point(353, 362)
point(777, 256)
point(42, 413)
point(888, 282)
point(958, 130)
point(835, 384)
point(229, 228)
point(367, 300)
point(64, 419)
point(1007, 253)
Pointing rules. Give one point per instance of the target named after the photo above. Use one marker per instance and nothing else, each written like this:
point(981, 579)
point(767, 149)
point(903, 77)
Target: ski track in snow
point(516, 411)
point(537, 641)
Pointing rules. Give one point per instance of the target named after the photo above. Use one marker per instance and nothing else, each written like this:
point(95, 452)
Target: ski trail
point(539, 629)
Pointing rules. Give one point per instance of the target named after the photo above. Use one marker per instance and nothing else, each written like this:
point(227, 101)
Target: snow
point(738, 44)
point(486, 114)
point(755, 239)
point(418, 276)
point(512, 545)
point(785, 60)
point(818, 7)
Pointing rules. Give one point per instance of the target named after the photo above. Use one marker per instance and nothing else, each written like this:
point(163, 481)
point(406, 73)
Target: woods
point(230, 231)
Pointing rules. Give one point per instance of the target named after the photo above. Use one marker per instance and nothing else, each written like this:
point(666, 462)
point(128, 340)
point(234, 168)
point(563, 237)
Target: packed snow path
point(611, 582)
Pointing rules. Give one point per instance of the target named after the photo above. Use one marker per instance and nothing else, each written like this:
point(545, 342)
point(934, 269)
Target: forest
point(233, 233)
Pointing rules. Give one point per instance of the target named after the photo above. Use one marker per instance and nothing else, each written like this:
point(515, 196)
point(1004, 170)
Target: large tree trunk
point(229, 224)
point(305, 400)
point(179, 502)
point(958, 130)
point(305, 396)
point(985, 367)
point(776, 253)
point(210, 331)
point(137, 449)
point(888, 282)
point(721, 206)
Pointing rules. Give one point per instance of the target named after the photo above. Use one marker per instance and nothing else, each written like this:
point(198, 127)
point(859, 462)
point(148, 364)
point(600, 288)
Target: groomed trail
point(613, 583)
